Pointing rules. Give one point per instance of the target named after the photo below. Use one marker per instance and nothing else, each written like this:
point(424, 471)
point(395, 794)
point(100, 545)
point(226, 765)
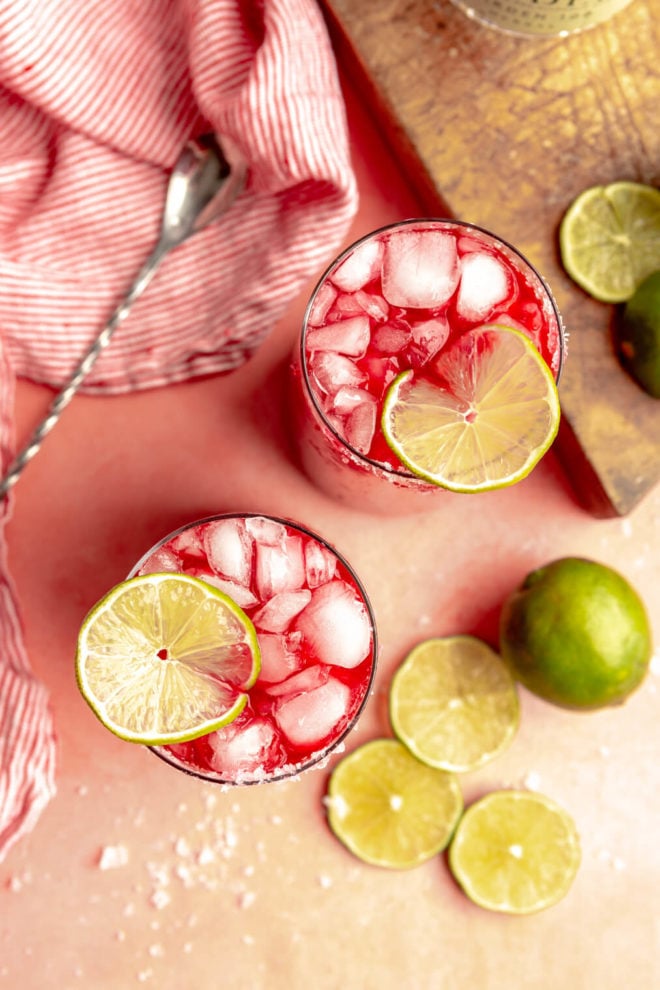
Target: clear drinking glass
point(317, 635)
point(387, 303)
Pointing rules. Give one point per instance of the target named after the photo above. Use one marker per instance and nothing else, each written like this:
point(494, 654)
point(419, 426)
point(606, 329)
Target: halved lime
point(609, 239)
point(388, 808)
point(486, 419)
point(454, 703)
point(515, 851)
point(164, 658)
point(637, 335)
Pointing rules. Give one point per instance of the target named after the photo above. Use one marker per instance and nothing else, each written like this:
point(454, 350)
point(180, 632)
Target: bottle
point(541, 17)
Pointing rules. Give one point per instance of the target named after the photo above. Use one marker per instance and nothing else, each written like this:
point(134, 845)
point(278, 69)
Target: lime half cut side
point(484, 420)
point(454, 703)
point(165, 658)
point(515, 851)
point(389, 809)
point(609, 239)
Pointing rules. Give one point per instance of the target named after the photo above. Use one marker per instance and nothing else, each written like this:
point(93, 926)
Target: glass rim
point(318, 756)
point(402, 472)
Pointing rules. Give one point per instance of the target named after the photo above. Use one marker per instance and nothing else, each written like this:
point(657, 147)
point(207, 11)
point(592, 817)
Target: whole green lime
point(577, 634)
point(637, 335)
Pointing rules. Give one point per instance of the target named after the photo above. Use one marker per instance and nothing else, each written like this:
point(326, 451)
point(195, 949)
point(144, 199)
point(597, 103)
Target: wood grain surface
point(505, 131)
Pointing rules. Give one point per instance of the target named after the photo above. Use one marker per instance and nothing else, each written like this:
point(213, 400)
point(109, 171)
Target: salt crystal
point(160, 899)
point(246, 899)
point(278, 613)
point(335, 625)
point(156, 951)
point(420, 268)
point(309, 718)
point(144, 975)
point(112, 857)
point(205, 856)
point(532, 781)
point(360, 267)
point(349, 336)
point(325, 881)
point(320, 564)
point(333, 370)
point(229, 549)
point(484, 284)
point(280, 568)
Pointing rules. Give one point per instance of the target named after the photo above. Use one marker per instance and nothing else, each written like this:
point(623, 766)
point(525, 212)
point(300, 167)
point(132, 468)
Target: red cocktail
point(395, 300)
point(316, 634)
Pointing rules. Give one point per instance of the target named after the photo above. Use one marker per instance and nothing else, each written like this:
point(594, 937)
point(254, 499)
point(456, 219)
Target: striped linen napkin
point(96, 102)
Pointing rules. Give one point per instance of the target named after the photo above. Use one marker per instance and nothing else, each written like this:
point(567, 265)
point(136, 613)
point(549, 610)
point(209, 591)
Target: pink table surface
point(203, 887)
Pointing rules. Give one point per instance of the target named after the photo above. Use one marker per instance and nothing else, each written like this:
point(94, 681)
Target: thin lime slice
point(609, 239)
point(515, 851)
point(484, 421)
point(454, 703)
point(389, 809)
point(164, 658)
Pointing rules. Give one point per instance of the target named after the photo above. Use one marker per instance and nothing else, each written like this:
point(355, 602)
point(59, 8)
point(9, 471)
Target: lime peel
point(166, 658)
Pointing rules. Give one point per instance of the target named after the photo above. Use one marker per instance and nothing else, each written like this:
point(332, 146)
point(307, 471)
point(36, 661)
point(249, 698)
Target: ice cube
point(373, 305)
point(360, 424)
point(390, 338)
point(280, 656)
point(360, 267)
point(382, 370)
point(335, 625)
point(266, 530)
point(239, 593)
point(428, 337)
point(245, 746)
point(333, 370)
point(308, 719)
point(346, 399)
point(320, 564)
point(229, 549)
point(279, 567)
point(303, 681)
point(161, 560)
point(485, 282)
point(349, 336)
point(323, 300)
point(420, 268)
point(278, 613)
point(189, 543)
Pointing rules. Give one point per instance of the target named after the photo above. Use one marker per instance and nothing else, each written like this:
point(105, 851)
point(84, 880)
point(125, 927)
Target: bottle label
point(549, 17)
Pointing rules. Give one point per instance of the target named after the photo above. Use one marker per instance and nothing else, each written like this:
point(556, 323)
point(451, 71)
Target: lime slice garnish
point(164, 658)
point(515, 851)
point(610, 239)
point(454, 703)
point(388, 808)
point(486, 419)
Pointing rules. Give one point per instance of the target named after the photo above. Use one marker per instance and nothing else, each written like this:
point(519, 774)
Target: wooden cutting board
point(505, 131)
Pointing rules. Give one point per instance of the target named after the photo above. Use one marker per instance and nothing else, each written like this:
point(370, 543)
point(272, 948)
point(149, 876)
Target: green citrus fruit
point(609, 239)
point(637, 335)
point(577, 634)
point(388, 808)
point(484, 421)
point(164, 658)
point(515, 851)
point(454, 703)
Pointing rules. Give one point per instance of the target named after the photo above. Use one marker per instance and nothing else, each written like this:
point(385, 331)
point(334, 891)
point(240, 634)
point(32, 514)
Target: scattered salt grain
point(144, 975)
point(160, 899)
point(181, 847)
point(532, 781)
point(205, 856)
point(246, 899)
point(113, 857)
point(325, 881)
point(156, 951)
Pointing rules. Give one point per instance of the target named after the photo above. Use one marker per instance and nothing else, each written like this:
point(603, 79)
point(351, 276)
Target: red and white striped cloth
point(96, 101)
